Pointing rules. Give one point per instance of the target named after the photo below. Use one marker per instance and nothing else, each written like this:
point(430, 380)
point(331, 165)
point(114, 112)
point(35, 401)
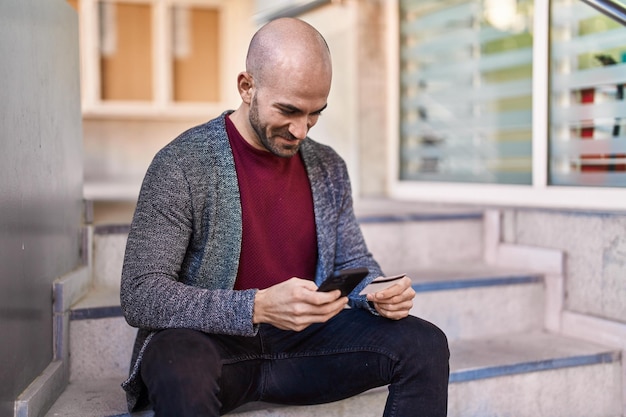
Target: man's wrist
point(257, 309)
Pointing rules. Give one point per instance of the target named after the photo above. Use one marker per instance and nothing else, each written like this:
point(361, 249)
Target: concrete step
point(465, 301)
point(470, 301)
point(109, 244)
point(389, 227)
point(401, 236)
point(405, 236)
point(100, 340)
point(524, 374)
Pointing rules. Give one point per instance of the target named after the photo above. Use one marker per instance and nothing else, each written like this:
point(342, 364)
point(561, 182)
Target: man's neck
point(240, 119)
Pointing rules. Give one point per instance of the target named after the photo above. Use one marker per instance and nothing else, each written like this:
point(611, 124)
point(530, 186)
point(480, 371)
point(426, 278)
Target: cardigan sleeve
point(153, 293)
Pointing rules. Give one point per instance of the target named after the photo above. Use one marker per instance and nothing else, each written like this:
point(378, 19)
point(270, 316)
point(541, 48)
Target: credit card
point(381, 283)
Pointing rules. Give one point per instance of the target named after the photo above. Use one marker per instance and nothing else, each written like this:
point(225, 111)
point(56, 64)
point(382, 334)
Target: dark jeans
point(190, 373)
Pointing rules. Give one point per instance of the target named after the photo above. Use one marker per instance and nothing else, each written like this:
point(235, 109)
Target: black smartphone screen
point(345, 280)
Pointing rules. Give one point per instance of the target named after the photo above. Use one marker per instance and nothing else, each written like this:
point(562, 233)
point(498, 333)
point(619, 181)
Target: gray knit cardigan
point(184, 243)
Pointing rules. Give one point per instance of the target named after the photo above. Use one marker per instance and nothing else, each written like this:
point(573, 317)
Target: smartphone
point(345, 280)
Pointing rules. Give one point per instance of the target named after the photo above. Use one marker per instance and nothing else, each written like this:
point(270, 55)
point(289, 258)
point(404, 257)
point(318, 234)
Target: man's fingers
point(394, 311)
point(295, 304)
point(396, 301)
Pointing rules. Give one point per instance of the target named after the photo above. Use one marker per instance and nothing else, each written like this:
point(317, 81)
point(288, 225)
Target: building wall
point(372, 98)
point(118, 149)
point(122, 136)
point(40, 180)
point(594, 244)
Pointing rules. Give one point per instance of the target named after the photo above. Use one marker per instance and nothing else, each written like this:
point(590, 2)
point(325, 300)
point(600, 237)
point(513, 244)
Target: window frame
point(540, 193)
point(162, 105)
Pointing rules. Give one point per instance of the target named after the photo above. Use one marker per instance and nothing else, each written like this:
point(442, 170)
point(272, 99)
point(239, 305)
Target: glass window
point(465, 91)
point(587, 136)
point(195, 54)
point(150, 56)
point(125, 51)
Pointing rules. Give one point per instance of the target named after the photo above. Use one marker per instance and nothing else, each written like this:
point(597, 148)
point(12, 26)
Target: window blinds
point(465, 91)
point(588, 111)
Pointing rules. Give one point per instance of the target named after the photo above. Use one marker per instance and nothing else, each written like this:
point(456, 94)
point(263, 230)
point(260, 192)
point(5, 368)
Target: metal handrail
point(612, 8)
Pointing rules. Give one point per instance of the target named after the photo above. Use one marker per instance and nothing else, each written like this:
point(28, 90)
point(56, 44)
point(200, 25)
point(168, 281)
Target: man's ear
point(245, 84)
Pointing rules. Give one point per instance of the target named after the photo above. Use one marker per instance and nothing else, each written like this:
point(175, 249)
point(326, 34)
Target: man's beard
point(271, 143)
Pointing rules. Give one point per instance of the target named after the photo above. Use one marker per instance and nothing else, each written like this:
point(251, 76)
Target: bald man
point(237, 223)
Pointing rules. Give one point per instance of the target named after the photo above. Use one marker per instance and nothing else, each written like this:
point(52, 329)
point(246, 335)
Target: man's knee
point(180, 369)
point(180, 354)
point(421, 337)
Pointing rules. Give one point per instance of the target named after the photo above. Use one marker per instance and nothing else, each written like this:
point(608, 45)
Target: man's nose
point(300, 127)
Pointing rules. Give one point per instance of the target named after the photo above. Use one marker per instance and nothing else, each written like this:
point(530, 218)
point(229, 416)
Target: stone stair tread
point(424, 279)
point(470, 360)
point(367, 208)
point(523, 352)
point(370, 210)
point(467, 275)
point(467, 271)
point(99, 302)
point(99, 297)
point(90, 398)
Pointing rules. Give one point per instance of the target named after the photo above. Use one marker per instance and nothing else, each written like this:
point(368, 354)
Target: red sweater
point(279, 239)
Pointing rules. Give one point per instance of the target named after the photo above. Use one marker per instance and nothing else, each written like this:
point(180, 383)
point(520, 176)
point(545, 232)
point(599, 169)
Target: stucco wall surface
point(120, 151)
point(40, 180)
point(595, 255)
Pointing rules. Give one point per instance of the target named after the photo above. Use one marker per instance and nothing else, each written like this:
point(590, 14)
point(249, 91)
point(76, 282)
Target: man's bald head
point(285, 45)
point(285, 86)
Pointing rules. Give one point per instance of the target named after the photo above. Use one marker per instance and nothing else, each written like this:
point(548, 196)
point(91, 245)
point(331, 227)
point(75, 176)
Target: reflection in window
point(465, 91)
point(587, 138)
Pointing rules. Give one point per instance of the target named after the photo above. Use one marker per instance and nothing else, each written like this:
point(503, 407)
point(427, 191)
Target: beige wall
point(372, 99)
point(120, 150)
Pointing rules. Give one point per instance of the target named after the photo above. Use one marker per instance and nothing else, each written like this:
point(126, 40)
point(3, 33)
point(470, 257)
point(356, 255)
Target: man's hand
point(295, 304)
point(396, 301)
